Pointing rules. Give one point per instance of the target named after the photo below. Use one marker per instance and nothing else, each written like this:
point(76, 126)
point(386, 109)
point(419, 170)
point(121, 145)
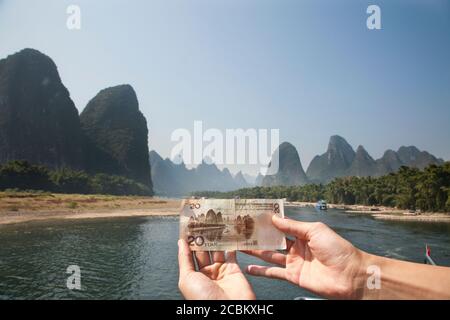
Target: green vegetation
point(72, 205)
point(409, 188)
point(21, 175)
point(43, 127)
point(117, 135)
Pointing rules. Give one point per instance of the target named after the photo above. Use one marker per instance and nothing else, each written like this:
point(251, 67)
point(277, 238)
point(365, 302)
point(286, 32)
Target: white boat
point(321, 205)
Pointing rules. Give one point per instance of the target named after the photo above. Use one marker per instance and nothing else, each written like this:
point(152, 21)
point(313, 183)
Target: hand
point(220, 279)
point(318, 260)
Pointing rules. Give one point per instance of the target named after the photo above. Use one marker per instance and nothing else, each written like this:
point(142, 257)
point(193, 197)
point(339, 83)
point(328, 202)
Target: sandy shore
point(424, 217)
point(26, 207)
point(382, 213)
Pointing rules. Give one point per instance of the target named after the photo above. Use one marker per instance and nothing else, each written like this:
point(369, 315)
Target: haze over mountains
point(172, 179)
point(40, 123)
point(339, 160)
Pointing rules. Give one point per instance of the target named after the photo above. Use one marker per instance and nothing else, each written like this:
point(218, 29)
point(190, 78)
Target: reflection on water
point(136, 258)
point(119, 259)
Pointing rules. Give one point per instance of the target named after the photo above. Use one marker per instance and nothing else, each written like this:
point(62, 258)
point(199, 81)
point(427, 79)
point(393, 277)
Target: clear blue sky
point(310, 68)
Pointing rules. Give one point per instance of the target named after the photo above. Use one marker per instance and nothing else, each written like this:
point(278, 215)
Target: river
point(136, 258)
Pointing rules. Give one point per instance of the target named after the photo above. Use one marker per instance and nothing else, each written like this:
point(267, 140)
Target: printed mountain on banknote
point(231, 224)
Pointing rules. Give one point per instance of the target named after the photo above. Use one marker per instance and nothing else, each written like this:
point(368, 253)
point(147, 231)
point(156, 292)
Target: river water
point(136, 258)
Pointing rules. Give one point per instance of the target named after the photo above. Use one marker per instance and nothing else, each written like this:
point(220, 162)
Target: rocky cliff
point(38, 120)
point(117, 134)
point(290, 171)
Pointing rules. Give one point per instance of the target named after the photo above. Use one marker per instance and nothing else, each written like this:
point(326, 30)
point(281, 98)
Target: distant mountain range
point(170, 179)
point(40, 123)
point(341, 160)
point(338, 161)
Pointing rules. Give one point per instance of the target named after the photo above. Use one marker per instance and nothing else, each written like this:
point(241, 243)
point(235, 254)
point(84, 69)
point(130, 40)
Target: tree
point(21, 174)
point(409, 188)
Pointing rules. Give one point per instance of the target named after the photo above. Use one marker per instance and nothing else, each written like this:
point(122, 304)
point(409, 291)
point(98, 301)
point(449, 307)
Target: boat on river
point(321, 205)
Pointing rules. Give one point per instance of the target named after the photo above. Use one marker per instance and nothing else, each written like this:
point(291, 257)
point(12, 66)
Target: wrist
point(364, 283)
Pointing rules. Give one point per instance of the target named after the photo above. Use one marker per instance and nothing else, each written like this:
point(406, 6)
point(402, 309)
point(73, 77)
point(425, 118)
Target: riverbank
point(18, 207)
point(382, 213)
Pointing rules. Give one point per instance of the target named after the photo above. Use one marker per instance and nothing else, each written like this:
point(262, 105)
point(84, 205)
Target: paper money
point(231, 224)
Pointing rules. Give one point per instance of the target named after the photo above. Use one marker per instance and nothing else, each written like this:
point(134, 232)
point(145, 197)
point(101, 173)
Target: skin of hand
point(322, 262)
point(219, 279)
point(318, 260)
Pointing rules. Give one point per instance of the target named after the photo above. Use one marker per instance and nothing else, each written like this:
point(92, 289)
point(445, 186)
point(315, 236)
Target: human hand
point(318, 260)
point(220, 279)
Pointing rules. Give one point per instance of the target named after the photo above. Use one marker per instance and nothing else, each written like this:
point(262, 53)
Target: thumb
point(185, 260)
point(301, 230)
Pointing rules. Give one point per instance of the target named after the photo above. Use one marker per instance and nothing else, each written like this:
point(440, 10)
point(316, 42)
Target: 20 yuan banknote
point(231, 224)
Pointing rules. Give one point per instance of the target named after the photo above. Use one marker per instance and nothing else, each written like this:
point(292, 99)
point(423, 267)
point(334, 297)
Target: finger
point(269, 272)
point(231, 257)
point(299, 229)
point(185, 260)
point(268, 256)
point(203, 259)
point(289, 244)
point(218, 256)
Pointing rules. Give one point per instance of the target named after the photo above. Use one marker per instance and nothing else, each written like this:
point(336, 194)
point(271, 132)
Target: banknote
point(231, 224)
